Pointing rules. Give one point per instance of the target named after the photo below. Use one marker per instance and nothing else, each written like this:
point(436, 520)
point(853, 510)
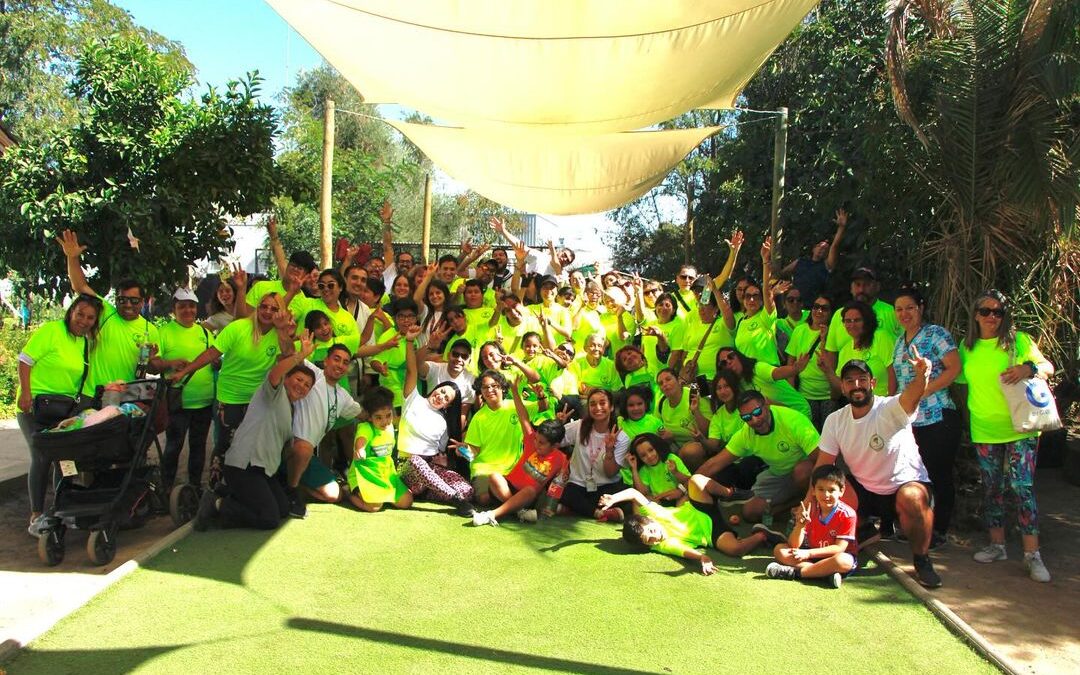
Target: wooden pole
point(779, 167)
point(425, 235)
point(688, 232)
point(325, 204)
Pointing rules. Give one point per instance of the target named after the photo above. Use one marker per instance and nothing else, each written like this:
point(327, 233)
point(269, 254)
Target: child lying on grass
point(682, 530)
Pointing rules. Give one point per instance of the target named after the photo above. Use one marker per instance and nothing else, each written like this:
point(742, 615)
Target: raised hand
point(919, 363)
point(737, 239)
point(497, 224)
point(632, 461)
point(520, 252)
point(766, 249)
point(271, 225)
point(386, 212)
point(69, 243)
point(466, 247)
point(802, 512)
point(564, 415)
point(240, 276)
point(781, 287)
point(307, 344)
point(413, 332)
point(379, 367)
point(841, 219)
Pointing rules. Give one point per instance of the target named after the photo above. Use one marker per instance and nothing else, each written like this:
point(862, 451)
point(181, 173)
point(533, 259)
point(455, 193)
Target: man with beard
point(873, 434)
point(864, 287)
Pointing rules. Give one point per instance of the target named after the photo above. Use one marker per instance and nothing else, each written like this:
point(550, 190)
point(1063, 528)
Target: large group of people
point(503, 381)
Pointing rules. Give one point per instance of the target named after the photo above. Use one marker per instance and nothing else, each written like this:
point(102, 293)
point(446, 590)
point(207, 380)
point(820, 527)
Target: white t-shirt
point(317, 412)
point(539, 262)
point(879, 448)
point(587, 462)
point(422, 429)
point(440, 372)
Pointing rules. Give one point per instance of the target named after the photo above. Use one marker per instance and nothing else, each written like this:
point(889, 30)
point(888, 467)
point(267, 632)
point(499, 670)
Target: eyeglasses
point(793, 299)
point(686, 276)
point(751, 296)
point(756, 412)
point(405, 315)
point(491, 386)
point(128, 300)
point(322, 286)
point(852, 322)
point(818, 307)
point(459, 355)
point(986, 311)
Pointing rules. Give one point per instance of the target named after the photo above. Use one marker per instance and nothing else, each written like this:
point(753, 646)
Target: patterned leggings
point(1009, 467)
point(421, 475)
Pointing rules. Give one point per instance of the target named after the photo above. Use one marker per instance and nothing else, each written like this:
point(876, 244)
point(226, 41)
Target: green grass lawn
point(422, 591)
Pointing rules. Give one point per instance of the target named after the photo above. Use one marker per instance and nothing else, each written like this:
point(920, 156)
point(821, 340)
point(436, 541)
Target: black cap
point(303, 260)
point(864, 273)
point(548, 279)
point(856, 364)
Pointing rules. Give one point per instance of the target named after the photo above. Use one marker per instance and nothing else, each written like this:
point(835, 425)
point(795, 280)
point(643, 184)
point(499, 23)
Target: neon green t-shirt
point(648, 424)
point(58, 360)
point(678, 419)
point(394, 359)
point(602, 375)
point(351, 342)
point(547, 369)
point(117, 353)
point(497, 437)
point(755, 336)
point(779, 391)
point(674, 331)
point(556, 315)
point(177, 342)
point(342, 320)
point(608, 321)
point(299, 305)
point(886, 317)
point(813, 384)
point(658, 478)
point(878, 356)
point(719, 338)
point(589, 322)
point(981, 369)
point(511, 335)
point(380, 442)
point(687, 528)
point(792, 439)
point(725, 424)
point(245, 360)
point(789, 323)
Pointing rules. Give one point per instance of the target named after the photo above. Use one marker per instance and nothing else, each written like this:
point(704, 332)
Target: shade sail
point(565, 66)
point(541, 173)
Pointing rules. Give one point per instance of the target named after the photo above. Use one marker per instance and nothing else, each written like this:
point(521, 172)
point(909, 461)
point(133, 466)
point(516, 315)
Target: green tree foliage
point(142, 158)
point(40, 41)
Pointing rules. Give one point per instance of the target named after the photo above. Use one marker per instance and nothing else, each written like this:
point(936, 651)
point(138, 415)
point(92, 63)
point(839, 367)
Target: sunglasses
point(322, 286)
point(127, 300)
point(756, 412)
point(818, 307)
point(986, 311)
point(459, 355)
point(751, 296)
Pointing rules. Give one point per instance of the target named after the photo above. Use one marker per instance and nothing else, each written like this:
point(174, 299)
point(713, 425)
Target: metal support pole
point(425, 234)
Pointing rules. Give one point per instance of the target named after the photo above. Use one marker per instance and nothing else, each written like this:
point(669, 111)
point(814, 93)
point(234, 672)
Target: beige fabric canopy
point(516, 74)
point(559, 174)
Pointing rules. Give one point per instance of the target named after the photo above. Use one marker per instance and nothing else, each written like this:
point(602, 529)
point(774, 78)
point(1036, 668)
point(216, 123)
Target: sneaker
point(484, 518)
point(612, 515)
point(772, 537)
point(835, 579)
point(528, 515)
point(207, 510)
point(991, 553)
point(37, 526)
point(1035, 567)
point(297, 507)
point(925, 574)
point(775, 570)
point(737, 496)
point(867, 535)
point(464, 508)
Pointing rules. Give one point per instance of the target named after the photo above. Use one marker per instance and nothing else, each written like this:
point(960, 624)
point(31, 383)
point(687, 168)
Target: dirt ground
point(1034, 625)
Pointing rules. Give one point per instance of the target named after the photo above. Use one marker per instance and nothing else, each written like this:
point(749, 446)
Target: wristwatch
point(1034, 368)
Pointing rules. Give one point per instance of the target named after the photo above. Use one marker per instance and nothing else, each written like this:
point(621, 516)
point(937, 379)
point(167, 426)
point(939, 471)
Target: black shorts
point(882, 506)
point(719, 524)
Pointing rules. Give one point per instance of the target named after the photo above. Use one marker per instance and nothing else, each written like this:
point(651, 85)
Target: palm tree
point(991, 89)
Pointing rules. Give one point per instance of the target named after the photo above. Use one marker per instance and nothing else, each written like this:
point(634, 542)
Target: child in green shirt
point(373, 480)
point(656, 471)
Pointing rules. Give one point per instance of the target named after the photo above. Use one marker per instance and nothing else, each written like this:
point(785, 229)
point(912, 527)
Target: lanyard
point(331, 410)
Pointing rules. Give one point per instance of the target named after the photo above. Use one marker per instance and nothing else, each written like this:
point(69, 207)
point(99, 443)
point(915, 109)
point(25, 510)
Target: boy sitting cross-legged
point(822, 544)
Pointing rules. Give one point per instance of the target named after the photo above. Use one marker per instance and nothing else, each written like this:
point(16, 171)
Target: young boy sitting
point(822, 545)
point(682, 530)
point(540, 462)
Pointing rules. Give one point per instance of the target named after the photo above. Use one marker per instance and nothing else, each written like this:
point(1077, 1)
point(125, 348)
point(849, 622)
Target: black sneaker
point(464, 508)
point(924, 572)
point(867, 534)
point(737, 496)
point(297, 507)
point(772, 537)
point(207, 510)
point(775, 570)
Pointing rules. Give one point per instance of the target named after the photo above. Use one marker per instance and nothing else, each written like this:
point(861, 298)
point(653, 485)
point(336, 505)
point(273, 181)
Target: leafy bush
point(11, 343)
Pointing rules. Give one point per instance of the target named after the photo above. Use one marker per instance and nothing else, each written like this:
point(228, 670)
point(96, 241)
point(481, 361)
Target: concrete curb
point(9, 649)
point(953, 622)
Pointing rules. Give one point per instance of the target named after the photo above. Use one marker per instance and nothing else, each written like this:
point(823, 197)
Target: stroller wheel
point(51, 547)
point(101, 546)
point(183, 503)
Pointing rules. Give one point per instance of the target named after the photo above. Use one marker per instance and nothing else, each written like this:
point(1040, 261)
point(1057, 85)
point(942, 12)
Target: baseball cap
point(864, 273)
point(548, 279)
point(183, 294)
point(856, 364)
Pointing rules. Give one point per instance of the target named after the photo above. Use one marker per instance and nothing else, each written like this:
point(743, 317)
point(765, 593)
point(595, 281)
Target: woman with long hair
point(770, 380)
point(868, 343)
point(994, 353)
point(599, 452)
point(809, 337)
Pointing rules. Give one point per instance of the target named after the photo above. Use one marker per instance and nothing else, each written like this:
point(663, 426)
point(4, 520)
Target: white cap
point(184, 294)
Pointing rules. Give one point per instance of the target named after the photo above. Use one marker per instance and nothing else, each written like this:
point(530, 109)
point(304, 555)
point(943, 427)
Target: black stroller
point(124, 489)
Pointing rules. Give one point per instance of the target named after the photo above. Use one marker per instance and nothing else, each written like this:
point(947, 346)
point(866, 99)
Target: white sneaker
point(484, 518)
point(991, 553)
point(527, 515)
point(37, 526)
point(1035, 567)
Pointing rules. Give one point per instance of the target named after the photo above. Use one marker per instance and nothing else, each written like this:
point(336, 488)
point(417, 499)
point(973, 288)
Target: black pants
point(584, 503)
point(938, 443)
point(742, 474)
point(37, 478)
point(194, 423)
point(252, 499)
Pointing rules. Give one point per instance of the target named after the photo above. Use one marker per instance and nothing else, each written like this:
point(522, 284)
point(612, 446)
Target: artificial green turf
point(422, 591)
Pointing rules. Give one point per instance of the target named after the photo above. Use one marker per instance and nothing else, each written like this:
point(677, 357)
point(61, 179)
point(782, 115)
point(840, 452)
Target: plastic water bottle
point(550, 500)
point(144, 356)
point(766, 517)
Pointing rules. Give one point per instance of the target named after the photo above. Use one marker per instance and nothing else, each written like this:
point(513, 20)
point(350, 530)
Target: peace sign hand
point(919, 363)
point(564, 415)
